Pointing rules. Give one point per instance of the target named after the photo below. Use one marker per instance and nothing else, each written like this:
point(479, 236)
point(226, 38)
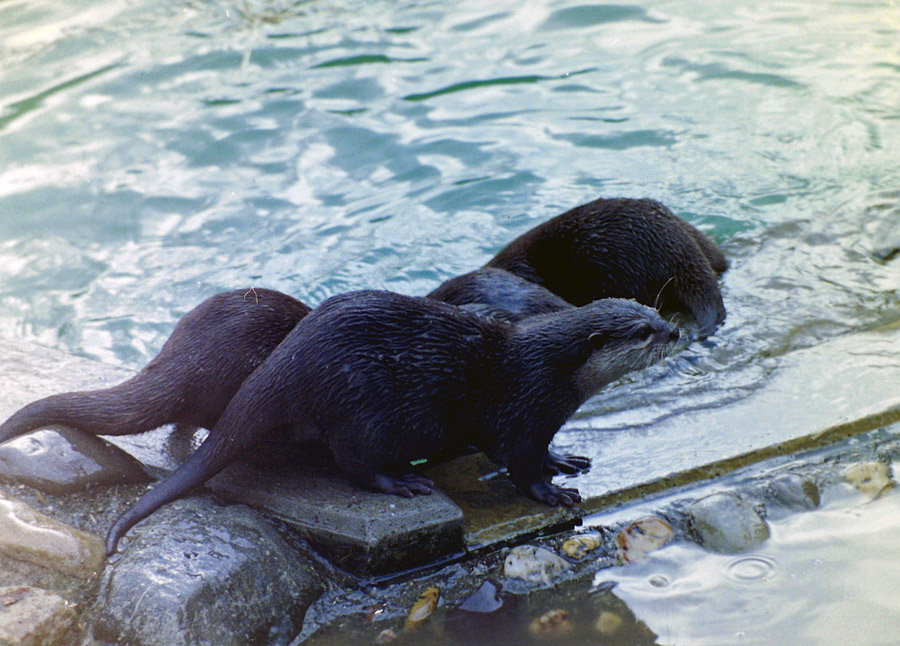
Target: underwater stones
point(641, 537)
point(30, 536)
point(578, 547)
point(795, 492)
point(725, 523)
point(534, 564)
point(197, 572)
point(552, 625)
point(422, 608)
point(64, 460)
point(34, 617)
point(870, 478)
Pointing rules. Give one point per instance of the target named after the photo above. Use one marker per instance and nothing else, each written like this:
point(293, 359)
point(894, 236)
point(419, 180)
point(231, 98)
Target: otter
point(212, 349)
point(382, 379)
point(625, 248)
point(499, 294)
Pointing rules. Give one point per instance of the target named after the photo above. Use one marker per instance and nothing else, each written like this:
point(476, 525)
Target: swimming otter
point(623, 248)
point(211, 351)
point(383, 379)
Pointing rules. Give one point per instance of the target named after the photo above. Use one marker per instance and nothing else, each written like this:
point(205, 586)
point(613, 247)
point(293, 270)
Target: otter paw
point(556, 464)
point(553, 495)
point(407, 485)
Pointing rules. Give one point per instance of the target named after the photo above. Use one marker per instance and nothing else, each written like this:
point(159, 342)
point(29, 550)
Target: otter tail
point(120, 410)
point(230, 438)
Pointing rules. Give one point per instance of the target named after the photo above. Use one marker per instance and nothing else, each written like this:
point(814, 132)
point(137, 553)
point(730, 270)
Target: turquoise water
point(153, 153)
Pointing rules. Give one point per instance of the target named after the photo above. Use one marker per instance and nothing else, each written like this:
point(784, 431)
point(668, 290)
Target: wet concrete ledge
point(370, 534)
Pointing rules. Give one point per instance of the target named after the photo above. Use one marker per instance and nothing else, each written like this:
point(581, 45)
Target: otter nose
point(674, 335)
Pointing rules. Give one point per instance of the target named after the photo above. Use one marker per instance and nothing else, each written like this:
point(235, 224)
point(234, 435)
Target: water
point(154, 153)
point(803, 586)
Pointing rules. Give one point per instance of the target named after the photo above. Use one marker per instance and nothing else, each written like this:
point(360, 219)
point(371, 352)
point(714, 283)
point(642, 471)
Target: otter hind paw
point(407, 485)
point(556, 464)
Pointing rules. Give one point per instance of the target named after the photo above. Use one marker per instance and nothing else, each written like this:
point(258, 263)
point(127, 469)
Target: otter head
point(622, 336)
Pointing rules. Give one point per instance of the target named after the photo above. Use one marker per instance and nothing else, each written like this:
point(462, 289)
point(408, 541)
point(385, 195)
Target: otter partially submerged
point(623, 248)
point(382, 379)
point(210, 353)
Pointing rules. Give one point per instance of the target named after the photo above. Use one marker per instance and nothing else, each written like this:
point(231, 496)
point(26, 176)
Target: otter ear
point(597, 339)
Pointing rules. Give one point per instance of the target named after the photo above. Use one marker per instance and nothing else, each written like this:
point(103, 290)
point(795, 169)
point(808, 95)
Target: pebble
point(64, 460)
point(871, 478)
point(34, 617)
point(608, 623)
point(795, 492)
point(554, 624)
point(727, 524)
point(534, 564)
point(422, 608)
point(641, 537)
point(28, 535)
point(578, 547)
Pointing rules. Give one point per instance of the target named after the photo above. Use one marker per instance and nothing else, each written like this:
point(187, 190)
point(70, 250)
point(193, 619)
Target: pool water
point(154, 153)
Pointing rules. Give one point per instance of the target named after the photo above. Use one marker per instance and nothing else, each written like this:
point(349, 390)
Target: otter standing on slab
point(382, 379)
point(622, 248)
point(212, 350)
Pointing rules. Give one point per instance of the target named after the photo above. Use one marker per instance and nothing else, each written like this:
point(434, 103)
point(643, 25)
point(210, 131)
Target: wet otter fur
point(500, 294)
point(212, 349)
point(624, 248)
point(382, 379)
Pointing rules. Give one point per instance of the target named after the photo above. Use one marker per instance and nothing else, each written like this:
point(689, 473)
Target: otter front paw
point(556, 464)
point(407, 485)
point(553, 495)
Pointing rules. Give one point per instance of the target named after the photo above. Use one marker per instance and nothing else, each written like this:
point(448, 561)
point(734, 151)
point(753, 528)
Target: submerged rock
point(534, 564)
point(28, 535)
point(641, 537)
point(34, 617)
point(552, 625)
point(725, 523)
point(871, 478)
point(422, 608)
point(64, 460)
point(577, 547)
point(795, 492)
point(199, 573)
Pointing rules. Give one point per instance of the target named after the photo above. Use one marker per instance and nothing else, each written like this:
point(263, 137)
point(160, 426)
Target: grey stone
point(63, 460)
point(34, 617)
point(725, 523)
point(359, 531)
point(200, 573)
point(795, 492)
point(28, 535)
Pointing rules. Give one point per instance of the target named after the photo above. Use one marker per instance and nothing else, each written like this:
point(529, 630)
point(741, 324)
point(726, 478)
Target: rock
point(795, 492)
point(422, 608)
point(28, 535)
point(65, 460)
point(199, 573)
point(871, 478)
point(725, 523)
point(34, 617)
point(485, 599)
point(608, 623)
point(641, 537)
point(552, 625)
point(577, 547)
point(534, 564)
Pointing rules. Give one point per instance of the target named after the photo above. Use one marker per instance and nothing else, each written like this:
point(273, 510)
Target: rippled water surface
point(803, 587)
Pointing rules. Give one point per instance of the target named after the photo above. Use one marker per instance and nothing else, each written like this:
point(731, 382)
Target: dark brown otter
point(622, 248)
point(211, 351)
point(500, 294)
point(382, 379)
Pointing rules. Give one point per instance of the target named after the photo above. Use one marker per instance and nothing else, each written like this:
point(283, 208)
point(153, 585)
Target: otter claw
point(553, 495)
point(407, 485)
point(556, 464)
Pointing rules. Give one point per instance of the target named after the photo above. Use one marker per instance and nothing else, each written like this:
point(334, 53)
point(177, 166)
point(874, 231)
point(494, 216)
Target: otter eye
point(643, 332)
point(597, 339)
